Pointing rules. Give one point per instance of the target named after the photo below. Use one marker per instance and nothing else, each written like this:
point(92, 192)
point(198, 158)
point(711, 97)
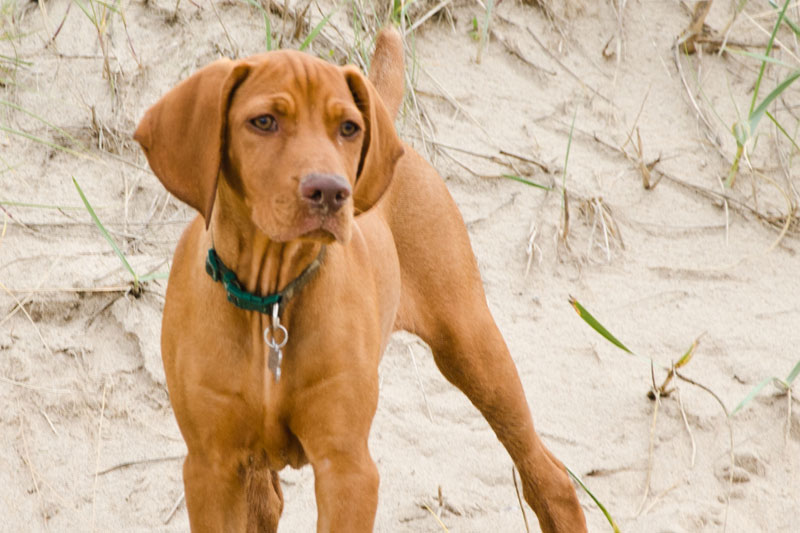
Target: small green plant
point(99, 14)
point(136, 289)
point(526, 182)
point(656, 392)
point(400, 11)
point(318, 28)
point(744, 130)
point(267, 24)
point(81, 150)
point(602, 507)
point(475, 32)
point(599, 328)
point(484, 33)
point(784, 384)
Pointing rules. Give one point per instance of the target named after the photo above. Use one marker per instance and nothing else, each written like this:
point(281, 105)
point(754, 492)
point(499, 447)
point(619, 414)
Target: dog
point(319, 234)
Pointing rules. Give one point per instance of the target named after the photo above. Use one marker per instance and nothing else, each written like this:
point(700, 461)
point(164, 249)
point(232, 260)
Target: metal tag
point(275, 357)
point(274, 360)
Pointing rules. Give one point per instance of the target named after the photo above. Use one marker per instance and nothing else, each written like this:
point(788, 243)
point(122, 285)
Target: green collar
point(253, 302)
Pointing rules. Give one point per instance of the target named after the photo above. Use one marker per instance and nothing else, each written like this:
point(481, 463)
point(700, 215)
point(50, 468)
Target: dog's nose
point(327, 192)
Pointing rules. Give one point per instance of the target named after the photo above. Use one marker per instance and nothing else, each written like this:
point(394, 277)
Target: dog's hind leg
point(444, 303)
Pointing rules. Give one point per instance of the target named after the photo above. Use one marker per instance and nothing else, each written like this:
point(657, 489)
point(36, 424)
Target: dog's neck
point(262, 266)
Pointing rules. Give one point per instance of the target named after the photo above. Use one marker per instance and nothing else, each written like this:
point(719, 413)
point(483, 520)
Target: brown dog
point(289, 159)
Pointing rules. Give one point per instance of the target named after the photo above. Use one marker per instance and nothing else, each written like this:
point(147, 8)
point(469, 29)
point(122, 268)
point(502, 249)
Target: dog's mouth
point(325, 228)
point(319, 235)
point(306, 224)
point(317, 228)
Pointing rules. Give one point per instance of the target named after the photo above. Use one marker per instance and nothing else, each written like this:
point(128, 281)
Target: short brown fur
point(398, 257)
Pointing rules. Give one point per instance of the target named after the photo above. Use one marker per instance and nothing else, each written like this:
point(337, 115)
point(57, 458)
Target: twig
point(97, 456)
point(25, 300)
point(418, 114)
point(735, 204)
point(532, 248)
point(234, 48)
point(140, 462)
point(730, 435)
point(788, 430)
point(450, 98)
point(174, 508)
point(660, 495)
point(516, 52)
point(492, 158)
point(688, 429)
point(438, 7)
point(20, 305)
point(652, 444)
point(727, 214)
point(629, 138)
point(49, 422)
point(519, 499)
point(80, 290)
point(58, 30)
point(28, 462)
point(419, 381)
point(696, 106)
point(599, 209)
point(444, 528)
point(566, 69)
point(34, 387)
point(527, 159)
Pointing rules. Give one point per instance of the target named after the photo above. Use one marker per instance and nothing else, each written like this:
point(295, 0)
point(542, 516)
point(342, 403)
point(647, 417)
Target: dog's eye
point(265, 123)
point(348, 128)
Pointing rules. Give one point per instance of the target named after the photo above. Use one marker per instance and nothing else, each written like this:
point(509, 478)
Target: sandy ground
point(81, 383)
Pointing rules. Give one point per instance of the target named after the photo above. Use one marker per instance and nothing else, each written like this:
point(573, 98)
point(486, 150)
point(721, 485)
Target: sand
point(81, 382)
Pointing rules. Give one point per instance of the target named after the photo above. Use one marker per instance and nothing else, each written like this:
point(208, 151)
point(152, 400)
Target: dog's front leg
point(332, 422)
point(215, 496)
point(346, 487)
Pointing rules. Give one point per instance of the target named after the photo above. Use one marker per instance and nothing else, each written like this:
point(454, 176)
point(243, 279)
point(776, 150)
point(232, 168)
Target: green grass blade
point(758, 113)
point(602, 507)
point(40, 206)
point(760, 57)
point(747, 399)
point(85, 10)
point(17, 61)
point(526, 182)
point(569, 145)
point(793, 374)
point(485, 29)
point(154, 275)
point(684, 360)
point(110, 7)
point(404, 11)
point(318, 28)
point(43, 121)
point(46, 143)
point(267, 32)
point(764, 64)
point(778, 125)
point(107, 235)
point(795, 28)
point(267, 24)
point(597, 326)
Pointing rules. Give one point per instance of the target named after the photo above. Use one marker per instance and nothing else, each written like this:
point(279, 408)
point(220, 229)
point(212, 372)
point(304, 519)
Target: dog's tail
point(386, 71)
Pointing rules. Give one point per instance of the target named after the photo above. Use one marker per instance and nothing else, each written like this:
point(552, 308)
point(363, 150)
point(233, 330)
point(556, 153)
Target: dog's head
point(304, 144)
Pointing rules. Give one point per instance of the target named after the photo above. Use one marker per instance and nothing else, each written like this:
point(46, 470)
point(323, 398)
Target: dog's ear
point(183, 133)
point(381, 149)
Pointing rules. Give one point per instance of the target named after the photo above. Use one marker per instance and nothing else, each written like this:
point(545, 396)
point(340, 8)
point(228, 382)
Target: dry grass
point(73, 128)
